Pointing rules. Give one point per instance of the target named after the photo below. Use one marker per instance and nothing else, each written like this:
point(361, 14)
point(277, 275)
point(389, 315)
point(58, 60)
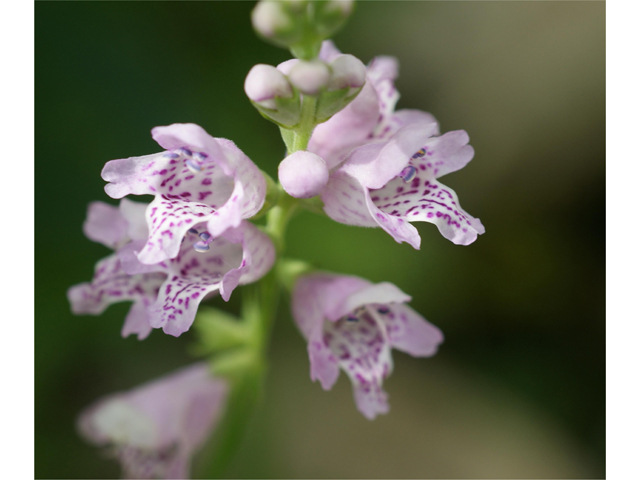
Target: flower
point(352, 324)
point(392, 183)
point(166, 295)
point(153, 430)
point(385, 163)
point(197, 179)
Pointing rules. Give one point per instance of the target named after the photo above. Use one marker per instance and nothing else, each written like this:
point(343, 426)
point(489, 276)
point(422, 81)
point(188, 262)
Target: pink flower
point(393, 183)
point(166, 295)
point(352, 324)
point(385, 163)
point(154, 430)
point(197, 179)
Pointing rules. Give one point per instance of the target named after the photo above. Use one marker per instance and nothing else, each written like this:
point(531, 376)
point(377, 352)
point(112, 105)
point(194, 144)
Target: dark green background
point(517, 389)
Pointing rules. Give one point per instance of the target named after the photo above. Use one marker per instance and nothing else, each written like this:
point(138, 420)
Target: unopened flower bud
point(303, 174)
point(331, 15)
point(348, 76)
point(272, 94)
point(279, 21)
point(264, 83)
point(347, 72)
point(309, 77)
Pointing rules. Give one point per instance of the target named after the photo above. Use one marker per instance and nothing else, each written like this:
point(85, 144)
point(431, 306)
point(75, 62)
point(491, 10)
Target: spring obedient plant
point(217, 222)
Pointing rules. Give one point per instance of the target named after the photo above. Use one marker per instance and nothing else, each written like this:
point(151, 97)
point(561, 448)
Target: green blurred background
point(518, 388)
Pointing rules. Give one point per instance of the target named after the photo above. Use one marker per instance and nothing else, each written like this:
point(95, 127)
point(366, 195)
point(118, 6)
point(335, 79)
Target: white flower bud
point(347, 72)
point(303, 174)
point(264, 83)
point(270, 17)
point(309, 77)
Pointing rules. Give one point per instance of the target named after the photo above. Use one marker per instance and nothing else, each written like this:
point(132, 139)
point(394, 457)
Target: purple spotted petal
point(104, 224)
point(351, 324)
point(154, 430)
point(199, 178)
point(363, 351)
point(239, 256)
point(423, 201)
point(110, 285)
point(371, 399)
point(316, 297)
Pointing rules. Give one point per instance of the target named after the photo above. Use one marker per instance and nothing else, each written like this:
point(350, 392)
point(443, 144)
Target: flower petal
point(345, 200)
point(137, 320)
point(408, 116)
point(445, 154)
point(240, 255)
point(192, 275)
point(134, 214)
point(323, 363)
point(328, 51)
point(314, 296)
point(248, 193)
point(188, 135)
point(375, 165)
point(169, 220)
point(111, 284)
point(104, 224)
point(370, 399)
point(428, 201)
point(364, 353)
point(410, 332)
point(382, 293)
point(352, 126)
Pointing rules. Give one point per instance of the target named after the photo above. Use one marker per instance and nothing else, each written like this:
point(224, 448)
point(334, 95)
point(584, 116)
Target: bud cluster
point(300, 25)
point(276, 92)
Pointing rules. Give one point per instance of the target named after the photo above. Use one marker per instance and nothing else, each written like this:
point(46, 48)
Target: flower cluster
point(192, 240)
point(360, 160)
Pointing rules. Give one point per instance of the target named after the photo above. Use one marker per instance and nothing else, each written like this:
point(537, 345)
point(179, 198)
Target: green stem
point(298, 137)
point(259, 307)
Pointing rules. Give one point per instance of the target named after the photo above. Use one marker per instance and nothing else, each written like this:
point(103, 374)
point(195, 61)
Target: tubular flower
point(352, 324)
point(370, 117)
point(392, 183)
point(154, 430)
point(197, 179)
point(114, 227)
point(168, 293)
